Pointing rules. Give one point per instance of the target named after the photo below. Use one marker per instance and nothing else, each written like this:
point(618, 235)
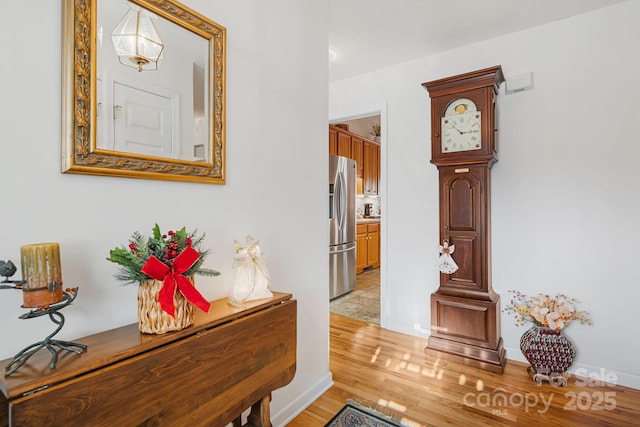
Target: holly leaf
point(156, 232)
point(119, 256)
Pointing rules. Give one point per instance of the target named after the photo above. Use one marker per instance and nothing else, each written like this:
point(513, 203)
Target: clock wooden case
point(465, 311)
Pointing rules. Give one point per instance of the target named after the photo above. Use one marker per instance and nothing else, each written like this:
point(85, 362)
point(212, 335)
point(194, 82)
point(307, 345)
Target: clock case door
point(464, 197)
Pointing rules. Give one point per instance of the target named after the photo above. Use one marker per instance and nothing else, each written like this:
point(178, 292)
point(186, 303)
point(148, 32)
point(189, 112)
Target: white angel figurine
point(253, 280)
point(446, 264)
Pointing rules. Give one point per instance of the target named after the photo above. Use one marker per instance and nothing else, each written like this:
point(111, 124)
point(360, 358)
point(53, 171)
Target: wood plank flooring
point(389, 371)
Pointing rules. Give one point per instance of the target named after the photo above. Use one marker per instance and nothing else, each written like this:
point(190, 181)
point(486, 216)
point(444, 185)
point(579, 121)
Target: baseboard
point(295, 407)
point(594, 375)
point(415, 330)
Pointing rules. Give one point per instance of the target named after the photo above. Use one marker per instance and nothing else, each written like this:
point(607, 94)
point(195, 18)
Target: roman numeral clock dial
point(461, 126)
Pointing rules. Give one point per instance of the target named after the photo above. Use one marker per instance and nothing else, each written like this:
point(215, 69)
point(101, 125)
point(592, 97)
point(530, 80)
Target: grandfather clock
point(465, 311)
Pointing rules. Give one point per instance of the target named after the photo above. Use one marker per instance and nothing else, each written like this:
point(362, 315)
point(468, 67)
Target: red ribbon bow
point(173, 277)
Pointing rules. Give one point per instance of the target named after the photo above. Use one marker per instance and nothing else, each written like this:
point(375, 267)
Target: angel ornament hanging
point(252, 280)
point(446, 264)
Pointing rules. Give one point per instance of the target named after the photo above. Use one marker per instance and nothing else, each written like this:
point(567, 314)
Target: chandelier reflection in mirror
point(137, 42)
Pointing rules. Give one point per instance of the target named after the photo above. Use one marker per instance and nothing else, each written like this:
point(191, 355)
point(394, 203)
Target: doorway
point(365, 301)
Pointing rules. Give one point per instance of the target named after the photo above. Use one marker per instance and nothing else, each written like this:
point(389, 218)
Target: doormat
point(353, 414)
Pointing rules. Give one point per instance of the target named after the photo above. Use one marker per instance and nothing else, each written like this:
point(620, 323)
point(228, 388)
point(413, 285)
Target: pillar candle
point(41, 266)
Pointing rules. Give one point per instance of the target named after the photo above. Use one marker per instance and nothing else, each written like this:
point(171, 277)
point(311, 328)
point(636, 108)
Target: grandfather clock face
point(461, 126)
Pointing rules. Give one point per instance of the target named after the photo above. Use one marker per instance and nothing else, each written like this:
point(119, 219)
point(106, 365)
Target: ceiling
point(365, 35)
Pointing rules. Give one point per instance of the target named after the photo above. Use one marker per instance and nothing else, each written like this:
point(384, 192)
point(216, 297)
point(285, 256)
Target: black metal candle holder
point(8, 269)
point(56, 317)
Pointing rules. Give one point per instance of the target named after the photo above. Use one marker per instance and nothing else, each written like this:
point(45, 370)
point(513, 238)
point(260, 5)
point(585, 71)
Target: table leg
point(260, 414)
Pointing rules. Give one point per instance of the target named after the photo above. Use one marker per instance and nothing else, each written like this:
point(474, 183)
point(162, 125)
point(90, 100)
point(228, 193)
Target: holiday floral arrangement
point(544, 311)
point(171, 257)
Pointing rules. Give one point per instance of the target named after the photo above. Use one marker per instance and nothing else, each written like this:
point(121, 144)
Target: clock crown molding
point(491, 76)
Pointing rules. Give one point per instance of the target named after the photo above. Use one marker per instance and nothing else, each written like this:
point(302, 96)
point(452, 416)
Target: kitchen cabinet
point(344, 144)
point(373, 245)
point(357, 154)
point(365, 152)
point(367, 246)
point(333, 141)
point(371, 173)
point(361, 248)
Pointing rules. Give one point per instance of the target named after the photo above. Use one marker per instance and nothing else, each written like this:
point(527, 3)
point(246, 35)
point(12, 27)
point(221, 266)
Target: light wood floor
point(389, 372)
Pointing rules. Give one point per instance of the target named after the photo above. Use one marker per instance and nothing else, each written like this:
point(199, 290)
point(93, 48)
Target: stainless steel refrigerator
point(342, 225)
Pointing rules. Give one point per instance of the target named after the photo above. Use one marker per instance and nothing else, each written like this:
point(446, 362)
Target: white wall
point(565, 196)
point(276, 123)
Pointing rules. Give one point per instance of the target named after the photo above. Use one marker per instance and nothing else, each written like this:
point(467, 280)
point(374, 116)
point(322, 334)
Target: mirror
point(165, 123)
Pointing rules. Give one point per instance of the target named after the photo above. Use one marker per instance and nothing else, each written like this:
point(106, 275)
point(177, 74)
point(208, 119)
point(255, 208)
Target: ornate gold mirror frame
point(80, 154)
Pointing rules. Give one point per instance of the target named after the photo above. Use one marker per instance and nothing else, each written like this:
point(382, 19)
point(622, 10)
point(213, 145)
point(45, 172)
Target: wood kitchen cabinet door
point(333, 141)
point(373, 245)
point(344, 144)
point(357, 153)
point(371, 154)
point(361, 248)
point(367, 246)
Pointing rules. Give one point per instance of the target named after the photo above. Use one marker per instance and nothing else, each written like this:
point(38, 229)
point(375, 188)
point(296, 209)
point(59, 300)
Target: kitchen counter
point(367, 220)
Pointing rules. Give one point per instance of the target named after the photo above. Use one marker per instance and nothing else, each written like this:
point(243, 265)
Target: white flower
point(545, 311)
point(539, 313)
point(555, 320)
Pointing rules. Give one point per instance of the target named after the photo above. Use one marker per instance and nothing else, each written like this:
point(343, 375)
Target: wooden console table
point(207, 374)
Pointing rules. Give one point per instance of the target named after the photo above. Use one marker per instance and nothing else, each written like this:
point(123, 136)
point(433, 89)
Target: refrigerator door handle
point(337, 251)
point(341, 201)
point(331, 207)
point(336, 200)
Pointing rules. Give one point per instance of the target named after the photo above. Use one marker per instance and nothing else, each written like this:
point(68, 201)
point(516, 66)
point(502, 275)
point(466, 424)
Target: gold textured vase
point(152, 319)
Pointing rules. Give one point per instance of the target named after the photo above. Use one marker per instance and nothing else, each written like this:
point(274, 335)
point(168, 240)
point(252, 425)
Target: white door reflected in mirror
point(143, 123)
